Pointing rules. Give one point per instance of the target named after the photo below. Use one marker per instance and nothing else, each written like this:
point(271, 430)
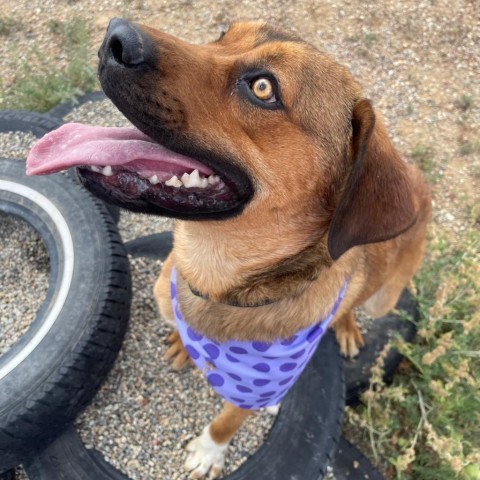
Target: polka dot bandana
point(251, 375)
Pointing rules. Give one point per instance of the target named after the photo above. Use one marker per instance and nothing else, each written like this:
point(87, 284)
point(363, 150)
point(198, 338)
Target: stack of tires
point(52, 372)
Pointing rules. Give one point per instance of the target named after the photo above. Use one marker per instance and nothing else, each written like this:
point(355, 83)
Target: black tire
point(300, 445)
point(67, 458)
point(350, 464)
point(53, 371)
point(9, 475)
point(39, 124)
point(157, 245)
point(28, 122)
point(380, 332)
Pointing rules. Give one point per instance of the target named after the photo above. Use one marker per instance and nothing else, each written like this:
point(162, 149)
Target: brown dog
point(298, 187)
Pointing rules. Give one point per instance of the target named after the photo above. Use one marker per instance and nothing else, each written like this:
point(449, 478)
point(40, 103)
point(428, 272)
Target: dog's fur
point(332, 200)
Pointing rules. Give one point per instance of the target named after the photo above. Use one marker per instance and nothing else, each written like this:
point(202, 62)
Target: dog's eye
point(263, 89)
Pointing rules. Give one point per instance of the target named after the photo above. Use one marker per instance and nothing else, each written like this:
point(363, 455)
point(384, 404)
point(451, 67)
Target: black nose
point(125, 44)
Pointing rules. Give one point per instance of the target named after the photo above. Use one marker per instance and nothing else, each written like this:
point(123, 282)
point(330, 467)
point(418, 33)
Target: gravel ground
point(25, 268)
point(417, 60)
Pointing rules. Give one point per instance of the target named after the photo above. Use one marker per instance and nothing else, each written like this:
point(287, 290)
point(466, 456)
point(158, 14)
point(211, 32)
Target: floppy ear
point(378, 202)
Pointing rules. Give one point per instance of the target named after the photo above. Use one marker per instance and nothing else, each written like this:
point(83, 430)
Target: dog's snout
point(125, 44)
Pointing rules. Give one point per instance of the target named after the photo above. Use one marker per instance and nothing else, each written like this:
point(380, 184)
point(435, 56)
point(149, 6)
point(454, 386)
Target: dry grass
point(425, 424)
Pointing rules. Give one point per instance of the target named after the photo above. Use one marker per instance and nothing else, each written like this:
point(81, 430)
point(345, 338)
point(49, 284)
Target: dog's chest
point(250, 374)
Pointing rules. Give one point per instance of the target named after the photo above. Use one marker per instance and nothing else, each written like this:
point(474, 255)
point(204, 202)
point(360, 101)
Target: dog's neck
point(248, 267)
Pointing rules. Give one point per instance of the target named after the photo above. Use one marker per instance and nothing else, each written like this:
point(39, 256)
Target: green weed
point(465, 102)
point(467, 148)
point(425, 425)
point(370, 38)
point(44, 86)
point(7, 25)
point(424, 157)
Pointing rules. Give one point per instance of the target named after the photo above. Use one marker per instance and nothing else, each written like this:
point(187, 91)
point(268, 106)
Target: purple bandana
point(251, 375)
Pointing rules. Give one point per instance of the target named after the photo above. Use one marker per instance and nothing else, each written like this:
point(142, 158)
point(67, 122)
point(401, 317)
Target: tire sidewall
point(87, 298)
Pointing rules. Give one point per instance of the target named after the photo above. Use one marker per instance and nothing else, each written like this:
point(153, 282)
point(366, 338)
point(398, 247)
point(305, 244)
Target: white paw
point(273, 410)
point(205, 456)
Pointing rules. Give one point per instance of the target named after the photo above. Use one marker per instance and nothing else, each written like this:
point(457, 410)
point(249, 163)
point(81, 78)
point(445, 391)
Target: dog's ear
point(377, 203)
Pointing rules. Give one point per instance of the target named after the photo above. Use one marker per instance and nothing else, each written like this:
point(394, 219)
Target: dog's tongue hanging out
point(105, 150)
point(125, 167)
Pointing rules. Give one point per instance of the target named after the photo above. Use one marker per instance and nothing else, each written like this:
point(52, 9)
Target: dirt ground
point(419, 62)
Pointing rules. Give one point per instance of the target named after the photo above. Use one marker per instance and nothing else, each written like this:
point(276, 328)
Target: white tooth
point(195, 175)
point(94, 168)
point(174, 182)
point(185, 178)
point(194, 180)
point(213, 179)
point(153, 179)
point(203, 183)
point(107, 171)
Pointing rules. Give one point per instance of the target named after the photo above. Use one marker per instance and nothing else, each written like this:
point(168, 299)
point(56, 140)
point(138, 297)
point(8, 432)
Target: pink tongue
point(74, 144)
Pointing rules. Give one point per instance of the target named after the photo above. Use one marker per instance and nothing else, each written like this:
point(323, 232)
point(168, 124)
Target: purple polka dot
point(298, 354)
point(260, 382)
point(267, 394)
point(287, 367)
point(215, 380)
point(177, 312)
point(289, 341)
point(284, 382)
point(231, 359)
point(237, 400)
point(246, 407)
point(269, 358)
point(314, 333)
point(173, 290)
point(238, 350)
point(236, 377)
point(243, 389)
point(192, 352)
point(260, 346)
point(264, 404)
point(194, 335)
point(212, 350)
point(262, 367)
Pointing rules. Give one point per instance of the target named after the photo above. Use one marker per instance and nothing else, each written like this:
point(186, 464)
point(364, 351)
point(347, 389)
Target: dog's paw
point(176, 354)
point(205, 457)
point(350, 341)
point(273, 410)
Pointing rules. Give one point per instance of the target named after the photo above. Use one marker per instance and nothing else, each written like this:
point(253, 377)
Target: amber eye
point(262, 88)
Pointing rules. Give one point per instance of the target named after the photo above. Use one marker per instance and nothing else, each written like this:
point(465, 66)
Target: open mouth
point(126, 167)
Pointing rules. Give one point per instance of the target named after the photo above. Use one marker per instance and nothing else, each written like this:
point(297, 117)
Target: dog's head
point(271, 125)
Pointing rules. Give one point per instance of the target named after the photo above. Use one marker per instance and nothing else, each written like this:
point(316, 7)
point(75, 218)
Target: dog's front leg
point(176, 353)
point(348, 335)
point(161, 291)
point(206, 453)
